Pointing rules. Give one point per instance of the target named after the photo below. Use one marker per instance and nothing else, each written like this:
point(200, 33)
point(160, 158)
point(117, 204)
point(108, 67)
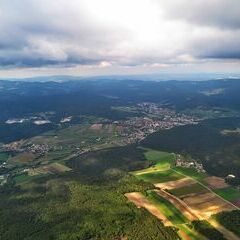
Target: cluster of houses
point(140, 127)
point(39, 149)
point(180, 162)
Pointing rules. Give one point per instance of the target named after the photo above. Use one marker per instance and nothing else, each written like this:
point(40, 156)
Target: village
point(181, 162)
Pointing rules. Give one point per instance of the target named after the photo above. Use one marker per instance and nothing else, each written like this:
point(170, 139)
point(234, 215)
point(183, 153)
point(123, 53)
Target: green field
point(229, 193)
point(193, 188)
point(4, 156)
point(174, 215)
point(191, 172)
point(81, 135)
point(160, 161)
point(56, 155)
point(22, 158)
point(167, 208)
point(192, 233)
point(163, 170)
point(160, 176)
point(159, 156)
point(22, 178)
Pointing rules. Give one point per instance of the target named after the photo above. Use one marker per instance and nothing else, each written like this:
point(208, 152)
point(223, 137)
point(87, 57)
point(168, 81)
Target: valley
point(127, 166)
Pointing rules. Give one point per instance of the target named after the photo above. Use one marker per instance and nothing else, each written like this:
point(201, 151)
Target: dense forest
point(85, 204)
point(207, 230)
point(231, 220)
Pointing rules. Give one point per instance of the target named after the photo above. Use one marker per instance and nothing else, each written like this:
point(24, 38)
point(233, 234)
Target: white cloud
point(112, 34)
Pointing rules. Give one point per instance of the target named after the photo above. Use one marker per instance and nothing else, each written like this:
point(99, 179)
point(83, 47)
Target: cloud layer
point(114, 33)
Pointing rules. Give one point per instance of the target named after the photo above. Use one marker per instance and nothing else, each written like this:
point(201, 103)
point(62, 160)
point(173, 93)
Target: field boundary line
point(177, 202)
point(209, 189)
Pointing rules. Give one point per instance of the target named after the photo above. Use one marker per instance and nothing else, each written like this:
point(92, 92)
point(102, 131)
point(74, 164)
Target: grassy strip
point(188, 229)
point(167, 208)
point(191, 172)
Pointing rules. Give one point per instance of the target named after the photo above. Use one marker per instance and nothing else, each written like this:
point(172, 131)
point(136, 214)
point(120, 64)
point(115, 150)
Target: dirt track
point(182, 206)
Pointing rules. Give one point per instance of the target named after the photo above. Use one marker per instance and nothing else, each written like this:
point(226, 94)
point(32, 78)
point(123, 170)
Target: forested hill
point(215, 143)
point(96, 97)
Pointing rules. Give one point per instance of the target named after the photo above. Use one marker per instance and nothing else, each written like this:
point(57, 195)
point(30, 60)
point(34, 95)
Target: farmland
point(184, 195)
point(229, 193)
point(159, 176)
point(168, 209)
point(188, 189)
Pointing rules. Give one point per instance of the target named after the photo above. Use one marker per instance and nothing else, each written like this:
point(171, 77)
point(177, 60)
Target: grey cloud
point(217, 13)
point(36, 33)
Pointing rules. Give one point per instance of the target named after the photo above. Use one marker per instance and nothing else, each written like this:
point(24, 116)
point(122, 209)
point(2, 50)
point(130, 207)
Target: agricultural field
point(23, 177)
point(33, 173)
point(80, 135)
point(164, 160)
point(206, 204)
point(169, 210)
point(229, 193)
point(4, 156)
point(159, 176)
point(184, 195)
point(188, 189)
point(190, 172)
point(22, 158)
point(49, 169)
point(175, 184)
point(215, 182)
point(43, 154)
point(160, 171)
point(161, 161)
point(166, 212)
point(142, 201)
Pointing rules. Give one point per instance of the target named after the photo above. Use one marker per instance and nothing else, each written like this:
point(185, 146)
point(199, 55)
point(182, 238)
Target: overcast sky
point(98, 37)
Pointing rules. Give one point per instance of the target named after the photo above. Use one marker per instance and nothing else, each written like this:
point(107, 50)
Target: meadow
point(229, 193)
point(159, 176)
point(167, 208)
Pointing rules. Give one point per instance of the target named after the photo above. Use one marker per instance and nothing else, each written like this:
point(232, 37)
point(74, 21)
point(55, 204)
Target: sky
point(111, 37)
